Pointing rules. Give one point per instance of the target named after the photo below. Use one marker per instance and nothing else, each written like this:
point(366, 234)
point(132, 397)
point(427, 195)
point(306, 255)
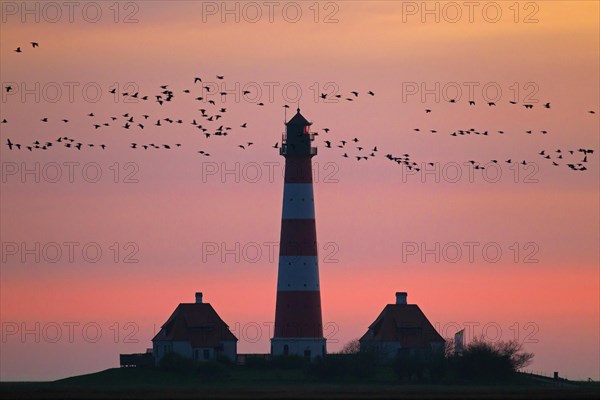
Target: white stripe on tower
point(298, 273)
point(298, 201)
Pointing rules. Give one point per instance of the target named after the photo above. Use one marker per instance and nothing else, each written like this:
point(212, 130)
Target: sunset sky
point(170, 209)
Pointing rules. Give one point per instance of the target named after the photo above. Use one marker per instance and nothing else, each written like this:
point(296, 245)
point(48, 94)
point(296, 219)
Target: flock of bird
point(214, 113)
point(64, 140)
point(405, 160)
point(558, 155)
point(362, 152)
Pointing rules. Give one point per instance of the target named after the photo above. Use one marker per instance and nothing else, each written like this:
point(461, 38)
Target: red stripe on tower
point(298, 321)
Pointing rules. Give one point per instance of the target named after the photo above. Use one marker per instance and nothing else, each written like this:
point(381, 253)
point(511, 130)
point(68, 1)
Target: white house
point(401, 327)
point(196, 331)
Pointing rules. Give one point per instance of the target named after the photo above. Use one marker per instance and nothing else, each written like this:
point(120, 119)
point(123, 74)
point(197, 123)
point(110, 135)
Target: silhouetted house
point(401, 327)
point(195, 331)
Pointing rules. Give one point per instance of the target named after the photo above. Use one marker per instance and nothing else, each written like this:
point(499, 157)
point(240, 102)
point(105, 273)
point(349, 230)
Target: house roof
point(298, 119)
point(404, 323)
point(197, 323)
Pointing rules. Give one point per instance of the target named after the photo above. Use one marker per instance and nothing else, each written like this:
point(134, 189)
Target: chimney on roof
point(401, 297)
point(198, 297)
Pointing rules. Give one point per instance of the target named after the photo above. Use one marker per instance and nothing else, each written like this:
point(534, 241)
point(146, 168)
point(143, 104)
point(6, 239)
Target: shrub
point(224, 360)
point(174, 362)
point(479, 362)
point(352, 347)
point(212, 370)
point(257, 362)
point(482, 361)
point(411, 364)
point(280, 362)
point(289, 362)
point(343, 366)
point(421, 364)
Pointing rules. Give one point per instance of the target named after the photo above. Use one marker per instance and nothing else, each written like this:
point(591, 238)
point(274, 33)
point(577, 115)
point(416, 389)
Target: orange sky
point(366, 213)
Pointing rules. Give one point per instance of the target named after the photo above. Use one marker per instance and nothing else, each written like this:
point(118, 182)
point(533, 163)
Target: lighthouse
point(298, 323)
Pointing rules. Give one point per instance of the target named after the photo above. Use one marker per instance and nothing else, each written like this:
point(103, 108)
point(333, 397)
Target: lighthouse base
point(303, 347)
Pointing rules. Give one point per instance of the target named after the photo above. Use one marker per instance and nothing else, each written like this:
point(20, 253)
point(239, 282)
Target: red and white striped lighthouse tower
point(298, 323)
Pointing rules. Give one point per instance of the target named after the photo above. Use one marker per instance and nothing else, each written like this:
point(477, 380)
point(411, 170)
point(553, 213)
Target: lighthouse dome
point(298, 119)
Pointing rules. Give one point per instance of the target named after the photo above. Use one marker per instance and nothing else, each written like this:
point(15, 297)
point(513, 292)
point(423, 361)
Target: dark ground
point(138, 383)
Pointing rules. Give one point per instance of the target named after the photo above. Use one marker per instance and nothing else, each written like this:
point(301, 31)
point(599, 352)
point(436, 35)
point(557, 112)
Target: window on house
point(286, 350)
point(206, 354)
